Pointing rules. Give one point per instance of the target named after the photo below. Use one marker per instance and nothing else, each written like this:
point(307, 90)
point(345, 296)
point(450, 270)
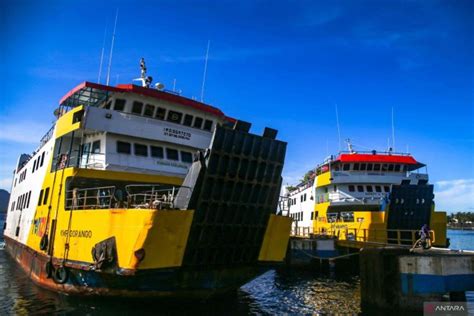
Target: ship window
point(186, 157)
point(77, 117)
point(124, 147)
point(346, 167)
point(390, 167)
point(13, 206)
point(386, 188)
point(360, 188)
point(378, 188)
point(137, 107)
point(46, 194)
point(157, 152)
point(174, 117)
point(397, 168)
point(369, 188)
point(160, 113)
point(29, 197)
point(207, 125)
point(304, 198)
point(347, 216)
point(356, 166)
point(40, 197)
point(384, 167)
point(149, 110)
point(376, 167)
point(301, 198)
point(42, 159)
point(141, 150)
point(96, 147)
point(119, 105)
point(312, 215)
point(363, 166)
point(369, 167)
point(351, 188)
point(331, 217)
point(197, 122)
point(34, 167)
point(172, 154)
point(188, 120)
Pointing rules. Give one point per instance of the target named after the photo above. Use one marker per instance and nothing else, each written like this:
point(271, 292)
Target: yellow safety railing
point(364, 235)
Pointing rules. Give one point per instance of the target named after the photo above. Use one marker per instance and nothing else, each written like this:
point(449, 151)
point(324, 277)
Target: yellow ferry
point(366, 198)
point(139, 191)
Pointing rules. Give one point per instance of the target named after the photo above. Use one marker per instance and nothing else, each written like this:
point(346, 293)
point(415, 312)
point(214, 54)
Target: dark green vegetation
point(4, 197)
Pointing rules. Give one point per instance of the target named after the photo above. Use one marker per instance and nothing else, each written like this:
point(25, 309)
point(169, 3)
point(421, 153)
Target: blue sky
point(278, 64)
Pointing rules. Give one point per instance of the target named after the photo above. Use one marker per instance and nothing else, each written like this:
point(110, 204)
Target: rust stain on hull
point(176, 282)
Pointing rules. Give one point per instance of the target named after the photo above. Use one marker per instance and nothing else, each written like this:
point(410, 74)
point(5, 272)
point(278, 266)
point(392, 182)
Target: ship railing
point(90, 198)
point(87, 160)
point(401, 237)
point(146, 196)
point(135, 197)
point(301, 231)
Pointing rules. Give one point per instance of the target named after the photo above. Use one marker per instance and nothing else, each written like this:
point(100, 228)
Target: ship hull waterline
point(167, 283)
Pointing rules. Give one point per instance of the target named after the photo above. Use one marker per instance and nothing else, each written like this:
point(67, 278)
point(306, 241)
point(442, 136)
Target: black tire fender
point(60, 275)
point(44, 242)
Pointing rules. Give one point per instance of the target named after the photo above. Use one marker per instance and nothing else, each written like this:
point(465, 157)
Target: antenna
point(393, 132)
point(102, 55)
point(349, 146)
point(338, 128)
point(112, 49)
point(205, 71)
point(174, 85)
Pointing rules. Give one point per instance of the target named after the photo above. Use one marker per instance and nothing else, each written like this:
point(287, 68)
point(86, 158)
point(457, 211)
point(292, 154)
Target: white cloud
point(455, 195)
point(22, 132)
point(6, 184)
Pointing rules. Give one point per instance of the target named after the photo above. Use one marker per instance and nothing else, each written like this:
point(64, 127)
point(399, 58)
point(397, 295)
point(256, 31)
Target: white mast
point(205, 71)
point(338, 128)
point(112, 49)
point(393, 132)
point(102, 55)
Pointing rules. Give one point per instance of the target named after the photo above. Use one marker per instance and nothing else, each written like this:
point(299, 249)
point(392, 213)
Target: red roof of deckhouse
point(401, 159)
point(88, 93)
point(404, 159)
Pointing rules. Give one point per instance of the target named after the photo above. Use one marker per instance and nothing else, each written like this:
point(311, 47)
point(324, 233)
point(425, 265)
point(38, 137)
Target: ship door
point(85, 152)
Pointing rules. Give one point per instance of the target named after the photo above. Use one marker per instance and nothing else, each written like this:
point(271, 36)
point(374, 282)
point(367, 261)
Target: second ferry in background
point(366, 198)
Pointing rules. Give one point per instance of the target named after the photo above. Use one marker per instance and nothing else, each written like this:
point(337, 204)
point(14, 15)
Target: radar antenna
point(146, 80)
point(349, 146)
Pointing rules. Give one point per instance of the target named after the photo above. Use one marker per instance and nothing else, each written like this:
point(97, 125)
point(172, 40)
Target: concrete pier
point(398, 278)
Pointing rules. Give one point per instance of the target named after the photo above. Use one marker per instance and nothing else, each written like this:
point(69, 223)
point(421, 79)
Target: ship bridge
point(132, 128)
